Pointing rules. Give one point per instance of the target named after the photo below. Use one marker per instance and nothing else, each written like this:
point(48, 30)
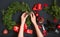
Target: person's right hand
point(33, 18)
point(23, 17)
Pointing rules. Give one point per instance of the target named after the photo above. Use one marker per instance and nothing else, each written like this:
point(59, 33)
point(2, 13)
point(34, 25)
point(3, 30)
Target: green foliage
point(7, 14)
point(53, 10)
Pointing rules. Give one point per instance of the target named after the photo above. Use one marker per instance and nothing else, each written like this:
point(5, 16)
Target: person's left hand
point(23, 17)
point(33, 18)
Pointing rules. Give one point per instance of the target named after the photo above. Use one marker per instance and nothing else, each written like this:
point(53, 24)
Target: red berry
point(16, 28)
point(37, 14)
point(29, 31)
point(45, 5)
point(5, 31)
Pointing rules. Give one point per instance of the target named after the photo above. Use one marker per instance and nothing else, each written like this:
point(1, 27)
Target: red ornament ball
point(29, 31)
point(58, 26)
point(44, 32)
point(40, 19)
point(37, 7)
point(5, 31)
point(34, 8)
point(16, 28)
point(37, 14)
point(25, 26)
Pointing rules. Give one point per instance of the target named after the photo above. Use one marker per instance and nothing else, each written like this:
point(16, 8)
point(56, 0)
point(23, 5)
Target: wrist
point(35, 23)
point(22, 23)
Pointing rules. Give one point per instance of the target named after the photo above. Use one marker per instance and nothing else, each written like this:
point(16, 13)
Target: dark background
point(5, 3)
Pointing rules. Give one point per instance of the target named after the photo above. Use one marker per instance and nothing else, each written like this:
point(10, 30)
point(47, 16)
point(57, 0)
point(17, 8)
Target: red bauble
point(58, 26)
point(37, 7)
point(5, 31)
point(40, 19)
point(44, 32)
point(34, 8)
point(37, 14)
point(25, 26)
point(29, 31)
point(45, 5)
point(16, 28)
point(55, 20)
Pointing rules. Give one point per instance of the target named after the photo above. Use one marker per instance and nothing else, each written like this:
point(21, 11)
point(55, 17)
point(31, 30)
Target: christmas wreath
point(7, 14)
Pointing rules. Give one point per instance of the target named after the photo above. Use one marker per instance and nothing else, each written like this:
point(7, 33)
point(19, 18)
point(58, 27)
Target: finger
point(33, 14)
point(26, 16)
point(26, 13)
point(23, 14)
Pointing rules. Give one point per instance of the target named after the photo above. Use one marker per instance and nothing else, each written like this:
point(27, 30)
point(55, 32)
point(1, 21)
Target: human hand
point(23, 17)
point(33, 18)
